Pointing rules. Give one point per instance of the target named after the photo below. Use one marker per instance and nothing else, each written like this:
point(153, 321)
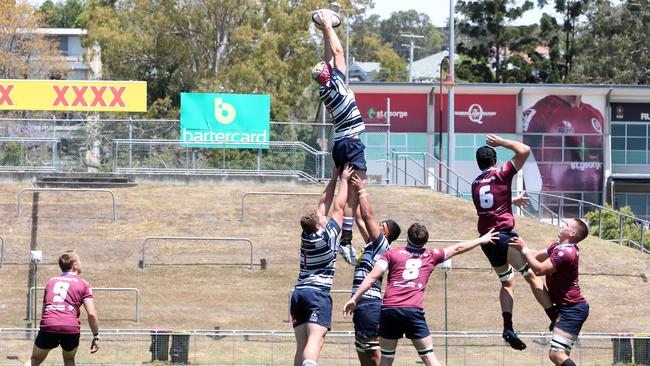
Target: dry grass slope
point(234, 297)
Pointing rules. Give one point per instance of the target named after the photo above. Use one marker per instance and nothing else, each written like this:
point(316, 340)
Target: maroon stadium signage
point(408, 112)
point(474, 113)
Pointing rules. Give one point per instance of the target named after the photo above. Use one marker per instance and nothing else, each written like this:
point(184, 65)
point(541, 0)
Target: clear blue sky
point(437, 10)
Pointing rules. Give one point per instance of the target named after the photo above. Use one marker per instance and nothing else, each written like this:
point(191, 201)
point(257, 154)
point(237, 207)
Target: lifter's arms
point(342, 195)
point(333, 47)
point(367, 213)
point(535, 260)
point(465, 246)
point(328, 194)
point(376, 273)
point(521, 150)
point(93, 322)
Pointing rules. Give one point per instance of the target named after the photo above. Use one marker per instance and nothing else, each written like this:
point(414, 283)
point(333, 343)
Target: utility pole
point(411, 46)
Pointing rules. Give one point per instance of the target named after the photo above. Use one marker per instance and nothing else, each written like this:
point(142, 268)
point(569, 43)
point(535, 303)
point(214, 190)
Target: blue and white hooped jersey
point(339, 101)
point(318, 258)
point(373, 251)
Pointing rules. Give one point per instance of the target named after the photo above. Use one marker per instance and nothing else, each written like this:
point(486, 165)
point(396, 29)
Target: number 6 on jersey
point(487, 198)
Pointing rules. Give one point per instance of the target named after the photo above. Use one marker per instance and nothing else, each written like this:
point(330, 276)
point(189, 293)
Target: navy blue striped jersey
point(339, 101)
point(318, 258)
point(371, 253)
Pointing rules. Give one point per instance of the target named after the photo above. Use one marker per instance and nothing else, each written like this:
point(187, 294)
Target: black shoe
point(513, 340)
point(346, 237)
point(551, 326)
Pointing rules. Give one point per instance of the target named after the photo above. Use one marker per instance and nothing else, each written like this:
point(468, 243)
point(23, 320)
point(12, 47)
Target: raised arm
point(333, 48)
point(328, 194)
point(342, 195)
point(93, 322)
point(465, 246)
point(538, 262)
point(521, 150)
point(376, 273)
point(367, 214)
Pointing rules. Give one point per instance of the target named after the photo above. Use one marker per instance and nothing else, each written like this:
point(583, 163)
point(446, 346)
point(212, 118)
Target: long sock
point(552, 313)
point(568, 362)
point(347, 223)
point(507, 320)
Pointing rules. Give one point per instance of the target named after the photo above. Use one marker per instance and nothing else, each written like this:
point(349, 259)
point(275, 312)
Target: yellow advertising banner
point(69, 95)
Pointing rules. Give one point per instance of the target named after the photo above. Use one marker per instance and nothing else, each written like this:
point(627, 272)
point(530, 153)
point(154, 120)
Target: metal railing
point(2, 251)
point(436, 174)
point(178, 156)
point(247, 194)
point(20, 193)
point(30, 299)
point(33, 154)
point(192, 238)
point(273, 347)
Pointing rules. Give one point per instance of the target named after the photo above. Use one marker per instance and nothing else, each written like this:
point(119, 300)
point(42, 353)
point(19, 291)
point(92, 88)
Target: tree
point(25, 53)
point(614, 47)
point(410, 22)
point(495, 50)
point(610, 225)
point(66, 14)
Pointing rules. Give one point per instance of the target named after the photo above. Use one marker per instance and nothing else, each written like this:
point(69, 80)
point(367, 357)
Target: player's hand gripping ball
point(335, 18)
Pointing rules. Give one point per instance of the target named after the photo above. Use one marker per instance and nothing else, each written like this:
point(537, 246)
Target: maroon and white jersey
point(409, 269)
point(492, 198)
point(571, 160)
point(64, 295)
point(563, 285)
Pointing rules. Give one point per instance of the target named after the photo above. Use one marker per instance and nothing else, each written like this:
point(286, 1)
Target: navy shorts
point(47, 340)
point(497, 253)
point(366, 318)
point(572, 317)
point(311, 306)
point(394, 323)
point(349, 150)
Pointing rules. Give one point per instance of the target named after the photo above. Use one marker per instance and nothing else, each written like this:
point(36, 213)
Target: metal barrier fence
point(20, 194)
point(193, 238)
point(30, 299)
point(260, 347)
point(29, 154)
point(2, 251)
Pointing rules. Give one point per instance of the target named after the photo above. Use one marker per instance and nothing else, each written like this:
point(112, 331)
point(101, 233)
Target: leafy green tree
point(495, 50)
point(68, 14)
point(614, 47)
point(611, 225)
point(410, 22)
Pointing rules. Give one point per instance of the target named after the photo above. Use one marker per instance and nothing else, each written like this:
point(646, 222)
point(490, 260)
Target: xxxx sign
point(50, 95)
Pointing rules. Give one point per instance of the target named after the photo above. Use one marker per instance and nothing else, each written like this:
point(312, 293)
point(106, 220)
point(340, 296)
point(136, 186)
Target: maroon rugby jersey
point(563, 285)
point(492, 198)
point(64, 295)
point(408, 274)
point(565, 162)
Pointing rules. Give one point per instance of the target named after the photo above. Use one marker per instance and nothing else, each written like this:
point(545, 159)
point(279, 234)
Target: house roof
point(62, 31)
point(366, 66)
point(428, 68)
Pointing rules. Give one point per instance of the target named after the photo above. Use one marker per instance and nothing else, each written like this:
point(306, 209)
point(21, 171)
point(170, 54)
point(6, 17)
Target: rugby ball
point(336, 19)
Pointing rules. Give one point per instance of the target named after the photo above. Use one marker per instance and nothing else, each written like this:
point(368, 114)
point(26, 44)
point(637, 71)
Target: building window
point(630, 143)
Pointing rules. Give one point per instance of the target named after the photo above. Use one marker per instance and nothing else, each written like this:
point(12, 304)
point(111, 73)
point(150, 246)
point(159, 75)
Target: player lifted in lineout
point(342, 106)
point(492, 196)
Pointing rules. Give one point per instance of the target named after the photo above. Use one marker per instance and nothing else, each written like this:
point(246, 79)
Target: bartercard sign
point(66, 95)
point(225, 120)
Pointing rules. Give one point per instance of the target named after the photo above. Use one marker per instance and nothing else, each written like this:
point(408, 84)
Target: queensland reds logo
point(475, 113)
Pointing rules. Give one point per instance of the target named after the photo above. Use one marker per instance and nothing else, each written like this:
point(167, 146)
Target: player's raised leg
point(301, 342)
point(388, 347)
point(506, 293)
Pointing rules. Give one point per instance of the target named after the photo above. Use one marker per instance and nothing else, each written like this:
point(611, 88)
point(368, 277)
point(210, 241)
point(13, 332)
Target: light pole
point(446, 268)
point(451, 144)
point(449, 83)
point(411, 46)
